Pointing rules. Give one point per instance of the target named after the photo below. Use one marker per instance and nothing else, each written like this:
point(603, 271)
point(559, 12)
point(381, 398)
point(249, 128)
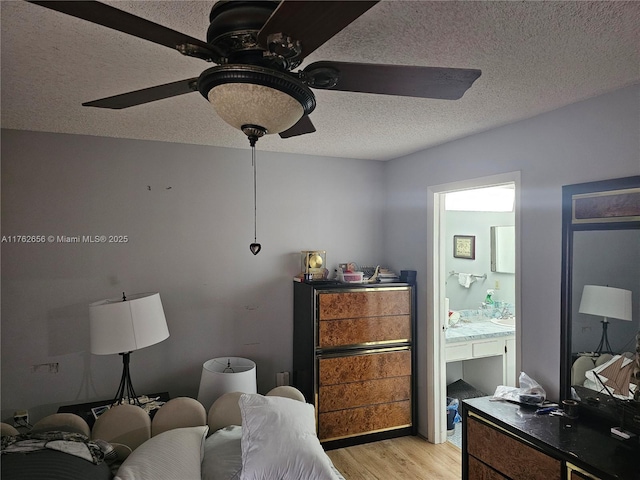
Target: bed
point(242, 437)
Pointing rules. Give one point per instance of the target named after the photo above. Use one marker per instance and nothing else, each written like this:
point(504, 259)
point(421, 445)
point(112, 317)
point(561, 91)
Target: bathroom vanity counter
point(470, 331)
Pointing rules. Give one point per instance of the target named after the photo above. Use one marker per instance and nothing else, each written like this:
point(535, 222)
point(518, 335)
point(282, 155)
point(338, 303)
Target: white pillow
point(279, 440)
point(168, 456)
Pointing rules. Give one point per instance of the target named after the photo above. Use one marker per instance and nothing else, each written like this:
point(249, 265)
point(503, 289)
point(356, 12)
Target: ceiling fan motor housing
point(233, 30)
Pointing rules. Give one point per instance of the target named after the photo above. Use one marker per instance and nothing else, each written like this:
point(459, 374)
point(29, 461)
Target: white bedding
point(184, 453)
point(223, 455)
point(171, 455)
point(279, 440)
point(187, 454)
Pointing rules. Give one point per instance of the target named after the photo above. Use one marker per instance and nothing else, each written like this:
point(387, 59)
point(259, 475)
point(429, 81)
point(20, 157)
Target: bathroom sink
point(505, 322)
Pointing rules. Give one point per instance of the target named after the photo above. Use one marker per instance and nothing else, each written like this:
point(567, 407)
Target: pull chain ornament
point(255, 247)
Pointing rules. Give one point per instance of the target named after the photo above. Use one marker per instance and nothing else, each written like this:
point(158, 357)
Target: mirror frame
point(592, 191)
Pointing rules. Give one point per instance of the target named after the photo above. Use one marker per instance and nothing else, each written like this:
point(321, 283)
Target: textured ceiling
point(535, 56)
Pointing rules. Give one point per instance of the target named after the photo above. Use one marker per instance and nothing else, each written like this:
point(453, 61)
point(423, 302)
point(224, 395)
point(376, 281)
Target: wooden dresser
point(505, 441)
point(353, 358)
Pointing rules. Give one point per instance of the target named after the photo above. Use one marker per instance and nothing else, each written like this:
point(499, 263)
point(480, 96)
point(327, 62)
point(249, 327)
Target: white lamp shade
point(606, 302)
point(118, 326)
point(218, 379)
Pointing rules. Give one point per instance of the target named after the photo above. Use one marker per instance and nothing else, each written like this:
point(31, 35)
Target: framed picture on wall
point(464, 246)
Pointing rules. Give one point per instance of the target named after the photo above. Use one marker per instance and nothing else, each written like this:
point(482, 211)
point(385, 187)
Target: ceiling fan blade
point(312, 22)
point(146, 95)
point(122, 21)
point(409, 81)
point(302, 127)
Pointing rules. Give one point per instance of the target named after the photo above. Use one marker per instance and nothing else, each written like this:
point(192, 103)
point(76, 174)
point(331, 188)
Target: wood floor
point(403, 458)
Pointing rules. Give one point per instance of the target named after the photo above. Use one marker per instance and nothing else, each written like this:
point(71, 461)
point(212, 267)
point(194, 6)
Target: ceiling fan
point(256, 45)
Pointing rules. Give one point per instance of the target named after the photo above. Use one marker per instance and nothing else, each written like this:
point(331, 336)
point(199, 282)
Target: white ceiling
point(535, 56)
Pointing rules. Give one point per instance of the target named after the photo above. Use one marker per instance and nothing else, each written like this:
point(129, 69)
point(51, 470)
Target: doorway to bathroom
point(476, 293)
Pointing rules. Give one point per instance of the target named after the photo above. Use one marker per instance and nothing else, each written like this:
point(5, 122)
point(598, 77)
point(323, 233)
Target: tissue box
point(353, 277)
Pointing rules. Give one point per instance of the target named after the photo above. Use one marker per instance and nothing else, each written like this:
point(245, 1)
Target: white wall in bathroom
point(478, 224)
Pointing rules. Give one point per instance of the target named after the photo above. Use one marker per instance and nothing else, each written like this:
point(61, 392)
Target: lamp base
point(604, 340)
point(125, 393)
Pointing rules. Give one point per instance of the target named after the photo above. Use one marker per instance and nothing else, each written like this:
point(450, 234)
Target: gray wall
point(591, 140)
point(188, 213)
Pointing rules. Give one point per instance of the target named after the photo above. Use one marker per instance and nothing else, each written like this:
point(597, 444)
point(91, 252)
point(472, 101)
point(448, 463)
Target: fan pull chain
point(255, 247)
point(255, 202)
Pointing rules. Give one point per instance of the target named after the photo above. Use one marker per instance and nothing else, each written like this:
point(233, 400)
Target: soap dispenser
point(488, 300)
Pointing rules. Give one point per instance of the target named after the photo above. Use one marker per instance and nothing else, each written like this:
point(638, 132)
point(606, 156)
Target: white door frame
point(436, 276)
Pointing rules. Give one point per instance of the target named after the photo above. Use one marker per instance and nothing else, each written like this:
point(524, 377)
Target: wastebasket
point(452, 414)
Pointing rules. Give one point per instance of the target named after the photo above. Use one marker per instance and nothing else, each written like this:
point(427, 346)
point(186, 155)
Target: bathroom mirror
point(503, 254)
point(600, 246)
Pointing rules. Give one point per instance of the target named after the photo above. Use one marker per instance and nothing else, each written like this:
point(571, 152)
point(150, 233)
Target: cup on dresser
point(570, 408)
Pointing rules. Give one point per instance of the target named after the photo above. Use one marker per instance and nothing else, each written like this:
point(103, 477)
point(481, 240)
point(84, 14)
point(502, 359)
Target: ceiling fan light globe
point(253, 95)
point(241, 104)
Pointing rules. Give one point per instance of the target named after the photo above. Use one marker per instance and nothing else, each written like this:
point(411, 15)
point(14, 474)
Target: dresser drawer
point(479, 471)
point(575, 473)
point(373, 303)
point(357, 368)
point(509, 456)
point(365, 330)
point(359, 394)
point(356, 421)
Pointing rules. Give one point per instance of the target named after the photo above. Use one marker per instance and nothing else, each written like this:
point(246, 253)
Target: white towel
point(465, 279)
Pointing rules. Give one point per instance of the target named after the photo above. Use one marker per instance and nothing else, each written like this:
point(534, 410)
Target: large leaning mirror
point(601, 297)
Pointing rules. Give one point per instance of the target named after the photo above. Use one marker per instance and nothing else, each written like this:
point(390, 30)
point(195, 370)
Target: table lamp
point(123, 325)
point(225, 375)
point(607, 302)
